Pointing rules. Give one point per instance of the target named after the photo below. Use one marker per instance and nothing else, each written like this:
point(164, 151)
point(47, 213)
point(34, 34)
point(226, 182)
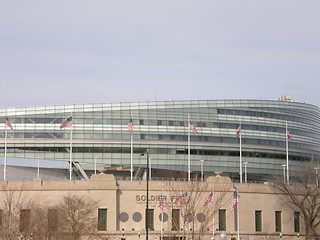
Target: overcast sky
point(93, 51)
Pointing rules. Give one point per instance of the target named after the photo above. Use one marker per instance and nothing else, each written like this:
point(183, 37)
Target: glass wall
point(100, 133)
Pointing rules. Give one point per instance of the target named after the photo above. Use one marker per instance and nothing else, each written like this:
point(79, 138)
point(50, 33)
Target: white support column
point(70, 165)
point(189, 160)
point(240, 156)
point(5, 154)
point(287, 151)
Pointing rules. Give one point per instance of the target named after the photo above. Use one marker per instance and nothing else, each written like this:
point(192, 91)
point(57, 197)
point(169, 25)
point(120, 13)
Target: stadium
point(192, 136)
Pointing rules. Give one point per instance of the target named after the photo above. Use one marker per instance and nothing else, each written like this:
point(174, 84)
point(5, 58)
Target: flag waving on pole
point(182, 199)
point(161, 203)
point(66, 123)
point(209, 199)
point(238, 131)
point(288, 135)
point(8, 123)
point(235, 200)
point(130, 125)
point(192, 127)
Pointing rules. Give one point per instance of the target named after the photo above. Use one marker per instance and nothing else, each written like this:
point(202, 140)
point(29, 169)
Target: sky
point(57, 52)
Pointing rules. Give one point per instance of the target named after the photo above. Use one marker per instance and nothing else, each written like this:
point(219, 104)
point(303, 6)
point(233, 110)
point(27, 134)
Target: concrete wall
point(126, 197)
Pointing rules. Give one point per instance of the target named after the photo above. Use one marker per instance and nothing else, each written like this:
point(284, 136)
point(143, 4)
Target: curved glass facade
point(100, 133)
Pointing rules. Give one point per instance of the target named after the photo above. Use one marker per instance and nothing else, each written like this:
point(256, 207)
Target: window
point(150, 222)
point(222, 220)
point(53, 220)
point(1, 218)
point(175, 219)
point(296, 222)
point(24, 220)
point(278, 221)
point(258, 221)
point(102, 219)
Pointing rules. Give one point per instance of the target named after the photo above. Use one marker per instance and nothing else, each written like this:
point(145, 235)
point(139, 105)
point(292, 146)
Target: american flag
point(8, 123)
point(209, 199)
point(182, 199)
point(238, 131)
point(192, 127)
point(161, 203)
point(288, 135)
point(66, 123)
point(235, 200)
point(130, 125)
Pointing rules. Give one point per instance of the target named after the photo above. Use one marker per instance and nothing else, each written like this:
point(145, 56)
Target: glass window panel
point(24, 220)
point(296, 222)
point(102, 219)
point(175, 219)
point(222, 220)
point(52, 220)
point(1, 218)
point(258, 221)
point(278, 224)
point(150, 222)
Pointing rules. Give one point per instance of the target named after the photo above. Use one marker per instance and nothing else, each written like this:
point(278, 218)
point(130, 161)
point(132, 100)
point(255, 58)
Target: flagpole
point(238, 215)
point(131, 152)
point(70, 165)
point(240, 143)
point(5, 154)
point(189, 169)
point(161, 231)
point(38, 169)
point(213, 213)
point(287, 151)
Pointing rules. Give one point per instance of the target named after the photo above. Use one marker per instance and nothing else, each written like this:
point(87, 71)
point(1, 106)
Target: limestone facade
point(125, 203)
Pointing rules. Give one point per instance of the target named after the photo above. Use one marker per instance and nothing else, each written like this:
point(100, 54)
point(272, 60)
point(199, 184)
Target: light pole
point(95, 165)
point(245, 172)
point(284, 173)
point(150, 170)
point(202, 176)
point(38, 170)
point(317, 177)
point(147, 195)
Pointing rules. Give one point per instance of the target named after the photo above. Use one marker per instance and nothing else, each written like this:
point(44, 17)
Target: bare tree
point(188, 199)
point(44, 224)
point(13, 202)
point(303, 195)
point(76, 217)
point(73, 218)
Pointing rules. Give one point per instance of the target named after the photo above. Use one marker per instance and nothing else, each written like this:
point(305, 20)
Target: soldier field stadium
point(173, 170)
